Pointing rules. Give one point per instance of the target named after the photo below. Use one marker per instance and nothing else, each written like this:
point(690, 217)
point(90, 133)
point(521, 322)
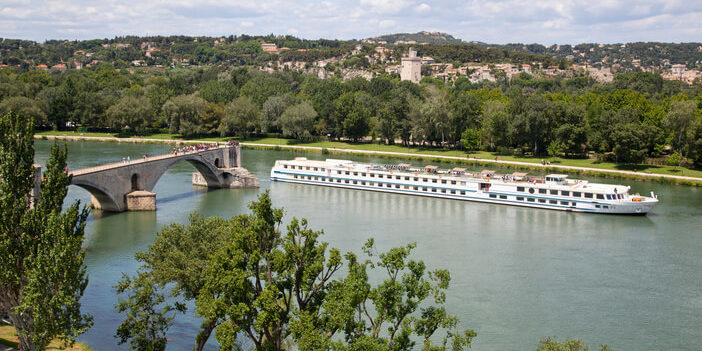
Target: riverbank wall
point(585, 171)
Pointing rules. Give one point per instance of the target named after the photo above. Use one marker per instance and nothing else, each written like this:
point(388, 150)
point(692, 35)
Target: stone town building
point(411, 67)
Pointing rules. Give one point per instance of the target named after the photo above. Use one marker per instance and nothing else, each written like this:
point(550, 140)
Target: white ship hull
point(345, 174)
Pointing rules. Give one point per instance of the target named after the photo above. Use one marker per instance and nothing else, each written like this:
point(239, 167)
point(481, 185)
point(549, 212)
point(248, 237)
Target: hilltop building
point(411, 68)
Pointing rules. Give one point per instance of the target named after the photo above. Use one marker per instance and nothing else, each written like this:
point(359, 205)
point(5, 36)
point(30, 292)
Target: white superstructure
point(554, 191)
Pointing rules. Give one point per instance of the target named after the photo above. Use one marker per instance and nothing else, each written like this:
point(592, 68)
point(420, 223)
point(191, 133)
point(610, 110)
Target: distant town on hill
point(442, 56)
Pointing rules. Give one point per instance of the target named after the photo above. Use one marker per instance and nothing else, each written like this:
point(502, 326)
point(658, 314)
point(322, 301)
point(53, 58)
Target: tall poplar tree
point(42, 277)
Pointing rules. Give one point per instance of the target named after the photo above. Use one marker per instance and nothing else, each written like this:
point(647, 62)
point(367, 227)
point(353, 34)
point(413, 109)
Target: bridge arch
point(211, 174)
point(101, 198)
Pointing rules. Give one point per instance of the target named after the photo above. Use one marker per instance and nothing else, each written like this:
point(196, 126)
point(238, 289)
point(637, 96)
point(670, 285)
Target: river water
point(518, 274)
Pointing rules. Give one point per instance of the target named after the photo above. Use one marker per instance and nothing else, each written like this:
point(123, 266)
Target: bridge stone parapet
point(110, 185)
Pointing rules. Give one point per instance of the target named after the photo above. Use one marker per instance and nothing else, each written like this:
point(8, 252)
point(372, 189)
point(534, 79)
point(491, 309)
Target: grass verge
point(8, 337)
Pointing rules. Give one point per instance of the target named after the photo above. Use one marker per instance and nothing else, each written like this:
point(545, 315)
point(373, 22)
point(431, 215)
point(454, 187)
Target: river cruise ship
point(554, 191)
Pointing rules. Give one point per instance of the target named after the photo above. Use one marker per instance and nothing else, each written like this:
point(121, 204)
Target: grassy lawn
point(589, 163)
point(8, 337)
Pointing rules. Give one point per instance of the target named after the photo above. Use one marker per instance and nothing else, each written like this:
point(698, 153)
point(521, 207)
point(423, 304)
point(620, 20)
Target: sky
point(493, 21)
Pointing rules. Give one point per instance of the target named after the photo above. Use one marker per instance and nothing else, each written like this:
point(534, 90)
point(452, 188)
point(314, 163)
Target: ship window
point(363, 174)
point(425, 180)
point(416, 179)
point(531, 190)
point(576, 194)
point(285, 166)
point(331, 180)
point(355, 182)
point(554, 192)
point(307, 168)
point(346, 181)
point(543, 201)
point(443, 181)
point(552, 201)
point(372, 175)
point(493, 196)
point(416, 188)
point(620, 196)
point(346, 172)
point(605, 206)
point(503, 197)
point(338, 180)
point(425, 189)
point(588, 195)
point(433, 180)
point(406, 178)
point(355, 173)
point(597, 206)
point(565, 203)
point(463, 192)
point(406, 186)
point(397, 186)
point(315, 169)
point(363, 183)
point(453, 182)
point(600, 196)
point(463, 183)
point(573, 203)
point(453, 191)
point(388, 185)
point(433, 190)
point(295, 176)
point(443, 191)
point(398, 177)
point(520, 188)
point(322, 169)
point(565, 193)
point(609, 197)
point(520, 198)
point(531, 199)
point(542, 191)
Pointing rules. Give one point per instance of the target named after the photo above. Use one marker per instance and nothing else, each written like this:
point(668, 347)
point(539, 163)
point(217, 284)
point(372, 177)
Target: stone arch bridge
point(127, 186)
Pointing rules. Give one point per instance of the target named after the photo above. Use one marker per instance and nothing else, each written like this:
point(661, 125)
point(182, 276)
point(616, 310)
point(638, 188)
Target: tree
point(549, 344)
point(272, 109)
point(217, 91)
point(25, 107)
point(241, 117)
point(43, 276)
point(470, 139)
point(679, 118)
point(148, 317)
point(298, 120)
point(185, 115)
point(178, 258)
point(628, 145)
point(132, 112)
point(354, 115)
point(383, 317)
point(494, 118)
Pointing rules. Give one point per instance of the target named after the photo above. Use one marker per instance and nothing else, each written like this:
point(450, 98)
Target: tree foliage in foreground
point(262, 287)
point(42, 277)
point(551, 344)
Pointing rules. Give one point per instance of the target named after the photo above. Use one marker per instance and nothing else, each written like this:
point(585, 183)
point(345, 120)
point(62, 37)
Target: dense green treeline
point(635, 117)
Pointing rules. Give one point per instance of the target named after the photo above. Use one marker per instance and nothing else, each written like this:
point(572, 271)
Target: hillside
point(419, 38)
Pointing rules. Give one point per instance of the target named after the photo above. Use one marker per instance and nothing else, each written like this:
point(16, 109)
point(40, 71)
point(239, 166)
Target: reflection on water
point(518, 274)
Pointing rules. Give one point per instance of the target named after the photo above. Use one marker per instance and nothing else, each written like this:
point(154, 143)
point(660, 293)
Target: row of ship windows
point(543, 201)
point(380, 185)
point(381, 176)
point(571, 193)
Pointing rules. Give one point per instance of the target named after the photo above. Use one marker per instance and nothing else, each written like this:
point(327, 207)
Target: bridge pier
point(127, 186)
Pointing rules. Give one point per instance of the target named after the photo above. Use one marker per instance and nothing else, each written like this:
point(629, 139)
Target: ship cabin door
point(484, 186)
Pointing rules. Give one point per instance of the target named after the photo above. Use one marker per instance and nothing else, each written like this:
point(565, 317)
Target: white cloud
point(384, 24)
point(422, 8)
point(246, 24)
